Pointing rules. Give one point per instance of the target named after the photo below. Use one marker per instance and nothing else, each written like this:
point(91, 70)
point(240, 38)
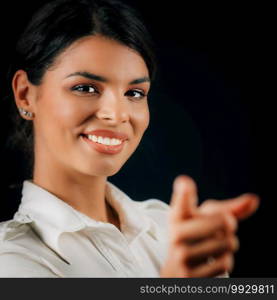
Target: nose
point(113, 109)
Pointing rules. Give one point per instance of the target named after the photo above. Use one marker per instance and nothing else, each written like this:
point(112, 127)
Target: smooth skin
point(66, 105)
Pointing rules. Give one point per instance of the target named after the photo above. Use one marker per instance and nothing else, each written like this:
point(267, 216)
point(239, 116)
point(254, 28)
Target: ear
point(24, 93)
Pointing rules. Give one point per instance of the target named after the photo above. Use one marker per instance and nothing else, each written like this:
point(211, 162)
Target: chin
point(105, 166)
point(103, 170)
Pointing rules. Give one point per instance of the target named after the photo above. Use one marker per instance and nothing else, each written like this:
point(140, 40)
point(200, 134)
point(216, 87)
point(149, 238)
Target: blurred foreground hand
point(202, 239)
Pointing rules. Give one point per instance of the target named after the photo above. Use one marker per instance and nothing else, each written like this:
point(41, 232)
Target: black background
point(212, 114)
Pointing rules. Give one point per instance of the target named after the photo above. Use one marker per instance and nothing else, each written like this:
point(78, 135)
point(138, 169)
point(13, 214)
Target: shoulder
point(19, 251)
point(154, 207)
point(156, 210)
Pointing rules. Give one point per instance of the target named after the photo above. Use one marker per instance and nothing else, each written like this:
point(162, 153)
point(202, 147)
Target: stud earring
point(25, 113)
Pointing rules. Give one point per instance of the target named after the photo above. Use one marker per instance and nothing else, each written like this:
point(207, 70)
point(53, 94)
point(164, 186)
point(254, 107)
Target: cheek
point(139, 122)
point(65, 114)
point(142, 119)
point(61, 111)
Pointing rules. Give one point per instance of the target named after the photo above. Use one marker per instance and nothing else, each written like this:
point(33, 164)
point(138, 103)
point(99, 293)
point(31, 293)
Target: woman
point(80, 85)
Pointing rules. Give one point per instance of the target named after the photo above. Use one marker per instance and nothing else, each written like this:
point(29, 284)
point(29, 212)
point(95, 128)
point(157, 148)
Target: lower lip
point(114, 149)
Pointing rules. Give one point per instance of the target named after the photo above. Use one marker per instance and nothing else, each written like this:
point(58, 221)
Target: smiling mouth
point(103, 140)
point(104, 144)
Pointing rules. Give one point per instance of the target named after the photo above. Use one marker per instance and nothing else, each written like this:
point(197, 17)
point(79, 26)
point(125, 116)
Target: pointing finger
point(241, 207)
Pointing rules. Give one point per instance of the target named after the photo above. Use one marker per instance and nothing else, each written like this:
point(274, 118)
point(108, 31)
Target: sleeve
point(14, 265)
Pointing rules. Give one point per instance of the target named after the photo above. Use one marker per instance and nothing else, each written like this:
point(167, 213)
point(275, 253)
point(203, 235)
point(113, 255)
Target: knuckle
point(224, 245)
point(230, 243)
point(227, 262)
point(237, 244)
point(207, 207)
point(210, 202)
point(229, 222)
point(234, 243)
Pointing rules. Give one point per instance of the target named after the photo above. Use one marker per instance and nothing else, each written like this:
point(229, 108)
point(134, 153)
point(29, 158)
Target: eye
point(137, 94)
point(84, 89)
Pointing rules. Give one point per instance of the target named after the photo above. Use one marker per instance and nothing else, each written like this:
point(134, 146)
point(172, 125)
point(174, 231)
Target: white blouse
point(49, 238)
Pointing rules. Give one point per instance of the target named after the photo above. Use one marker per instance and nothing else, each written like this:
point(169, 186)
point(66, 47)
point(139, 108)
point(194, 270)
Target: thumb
point(184, 198)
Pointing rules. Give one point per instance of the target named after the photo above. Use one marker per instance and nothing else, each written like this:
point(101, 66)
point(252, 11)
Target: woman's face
point(91, 86)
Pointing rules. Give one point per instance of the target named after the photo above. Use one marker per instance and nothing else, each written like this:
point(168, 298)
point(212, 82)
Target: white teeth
point(104, 140)
point(115, 142)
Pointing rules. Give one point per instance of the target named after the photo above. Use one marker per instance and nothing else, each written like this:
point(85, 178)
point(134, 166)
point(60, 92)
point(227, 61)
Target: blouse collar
point(52, 216)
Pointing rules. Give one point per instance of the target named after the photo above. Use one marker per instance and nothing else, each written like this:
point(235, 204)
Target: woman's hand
point(202, 239)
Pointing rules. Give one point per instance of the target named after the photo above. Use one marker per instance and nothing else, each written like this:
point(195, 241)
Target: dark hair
point(58, 24)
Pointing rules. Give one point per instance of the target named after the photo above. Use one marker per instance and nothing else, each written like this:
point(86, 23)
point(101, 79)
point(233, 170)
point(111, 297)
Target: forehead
point(103, 56)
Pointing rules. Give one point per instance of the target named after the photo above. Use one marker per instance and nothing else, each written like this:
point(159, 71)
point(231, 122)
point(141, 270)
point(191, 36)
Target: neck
point(83, 192)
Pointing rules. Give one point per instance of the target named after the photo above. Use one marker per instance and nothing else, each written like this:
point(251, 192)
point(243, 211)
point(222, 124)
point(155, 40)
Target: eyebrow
point(103, 79)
